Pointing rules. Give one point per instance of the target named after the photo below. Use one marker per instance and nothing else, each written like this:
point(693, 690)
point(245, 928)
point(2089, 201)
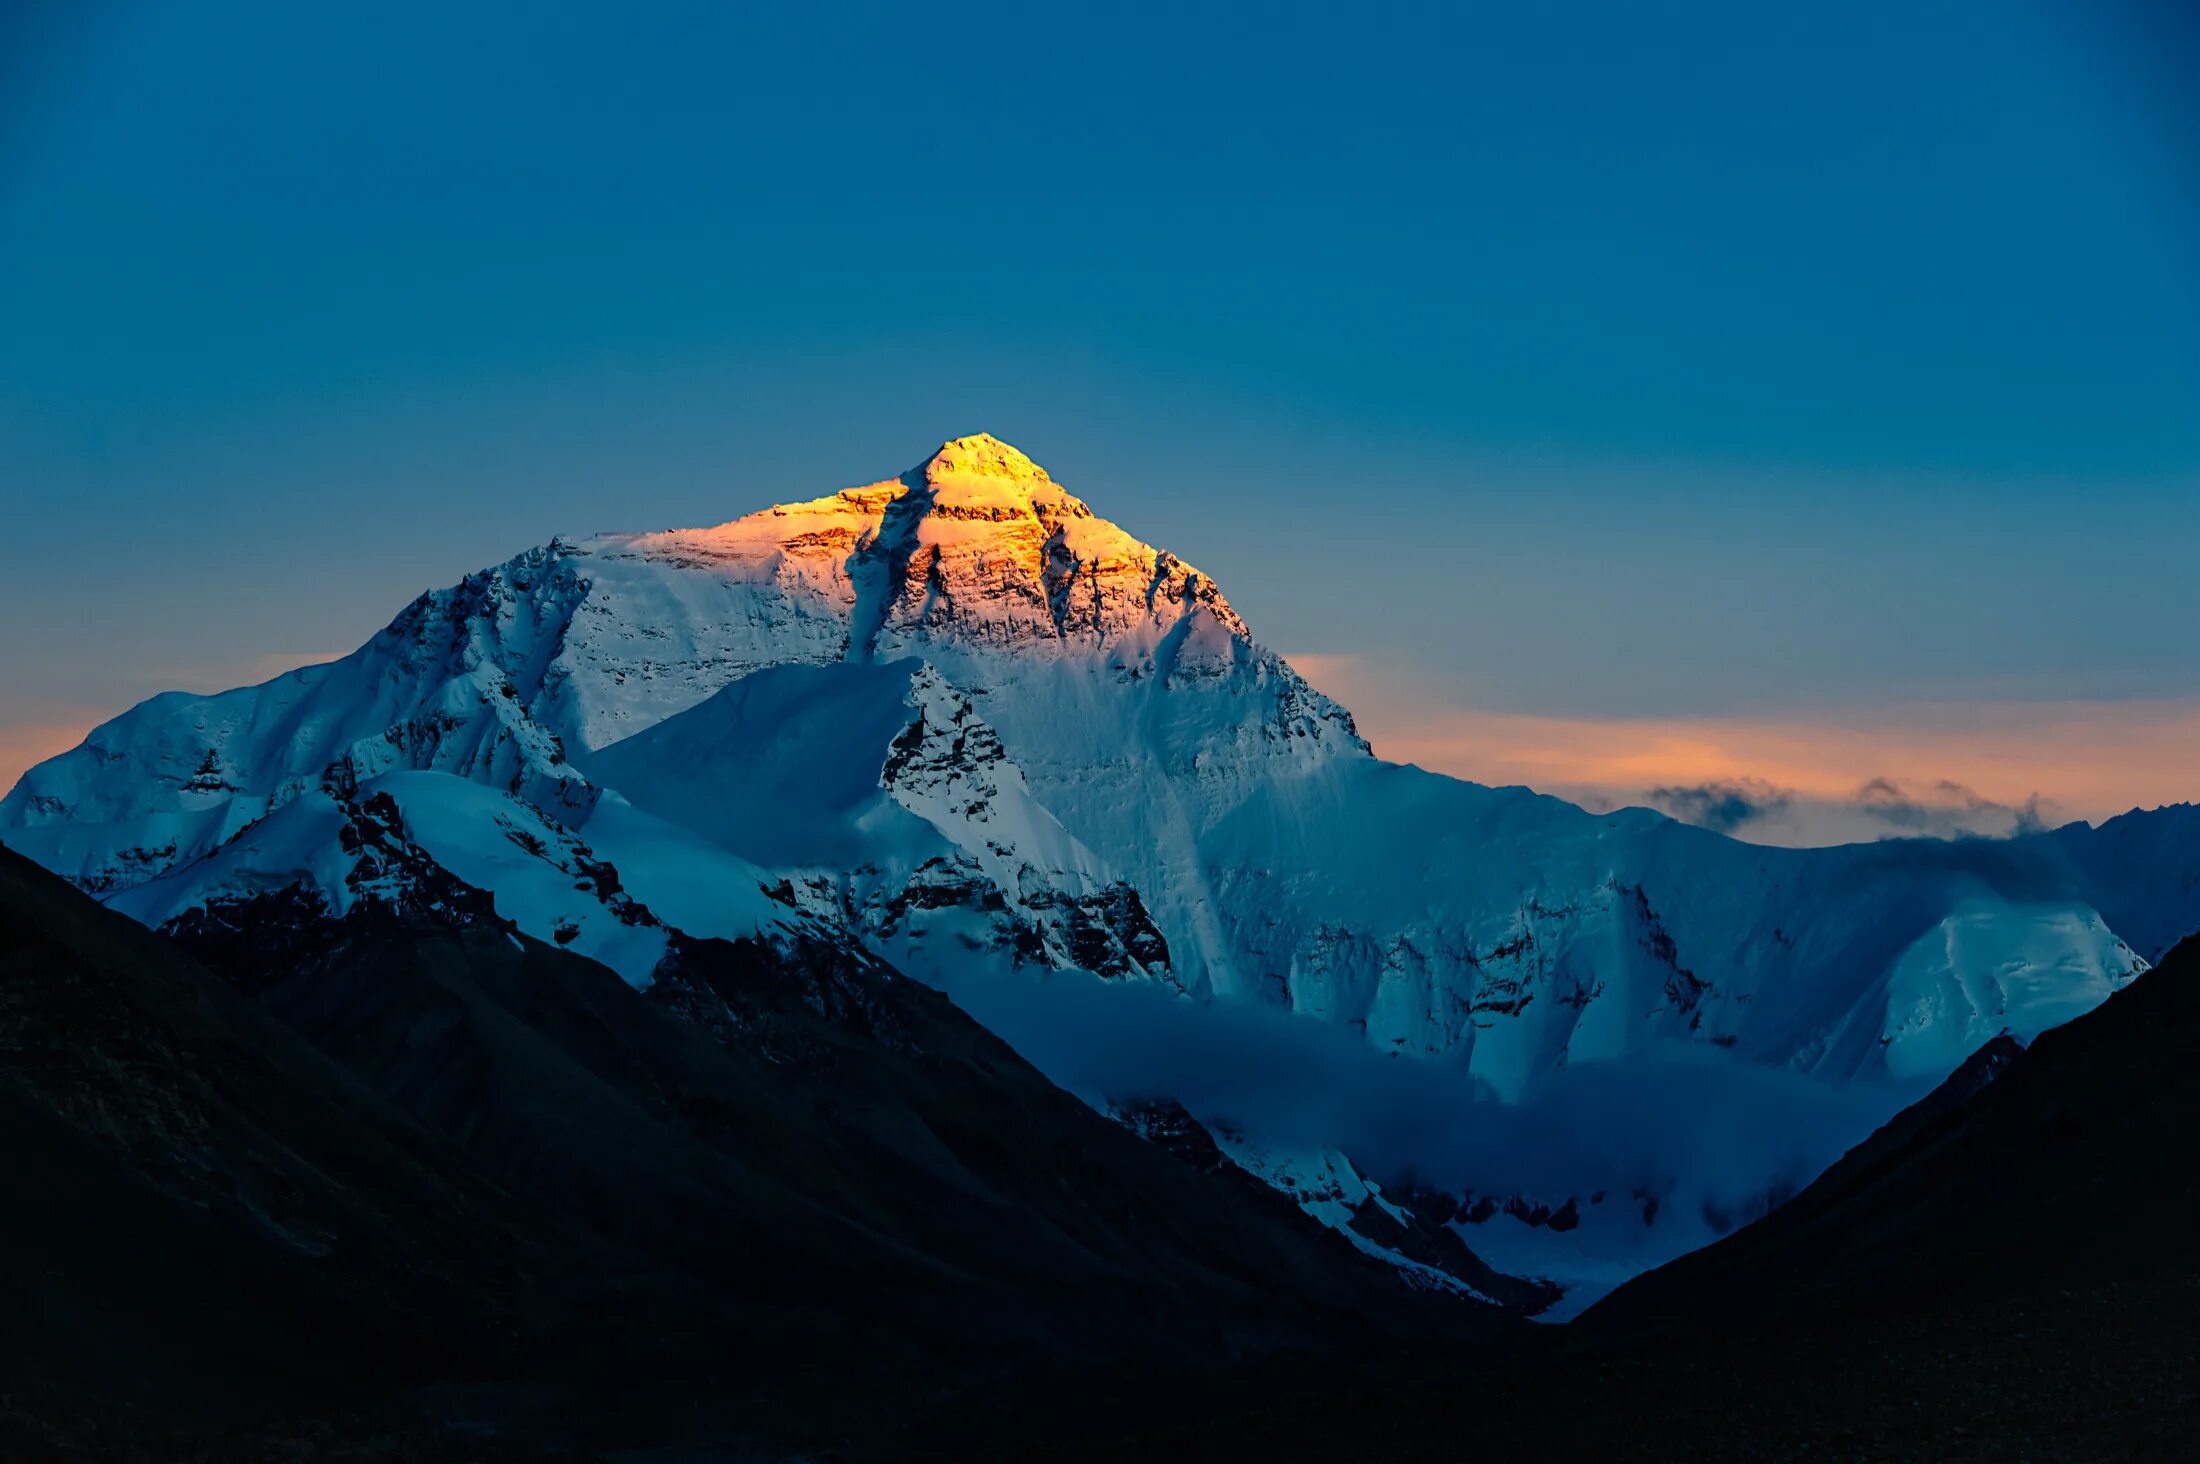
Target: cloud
point(1949, 809)
point(1723, 805)
point(1884, 800)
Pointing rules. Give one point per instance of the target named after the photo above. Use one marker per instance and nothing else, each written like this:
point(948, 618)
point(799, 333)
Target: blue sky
point(1801, 365)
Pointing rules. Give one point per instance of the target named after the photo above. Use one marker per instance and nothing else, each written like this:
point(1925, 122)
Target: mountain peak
point(981, 455)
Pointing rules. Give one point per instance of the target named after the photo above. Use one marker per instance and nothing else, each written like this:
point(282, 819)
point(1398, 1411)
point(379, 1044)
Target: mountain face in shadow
point(414, 1163)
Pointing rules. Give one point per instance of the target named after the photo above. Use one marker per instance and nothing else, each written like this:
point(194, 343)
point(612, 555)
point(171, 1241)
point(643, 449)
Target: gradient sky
point(1807, 394)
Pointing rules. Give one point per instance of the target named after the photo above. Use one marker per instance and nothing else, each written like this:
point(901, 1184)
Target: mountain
point(409, 1166)
point(999, 742)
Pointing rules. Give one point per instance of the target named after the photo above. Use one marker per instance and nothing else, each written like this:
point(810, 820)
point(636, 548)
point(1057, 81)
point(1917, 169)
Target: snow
point(890, 803)
point(1990, 968)
point(1327, 1187)
point(539, 872)
point(688, 882)
point(294, 847)
point(534, 867)
point(782, 767)
point(1609, 1248)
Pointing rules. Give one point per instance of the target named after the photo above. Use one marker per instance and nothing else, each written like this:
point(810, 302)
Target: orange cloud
point(2090, 759)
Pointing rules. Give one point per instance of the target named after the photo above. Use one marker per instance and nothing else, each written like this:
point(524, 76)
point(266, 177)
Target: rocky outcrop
point(1053, 897)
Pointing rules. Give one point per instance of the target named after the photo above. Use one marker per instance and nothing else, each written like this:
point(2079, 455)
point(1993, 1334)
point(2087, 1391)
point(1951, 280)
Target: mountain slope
point(2062, 1168)
point(897, 811)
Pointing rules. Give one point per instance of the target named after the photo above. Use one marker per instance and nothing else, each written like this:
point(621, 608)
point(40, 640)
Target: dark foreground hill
point(424, 1187)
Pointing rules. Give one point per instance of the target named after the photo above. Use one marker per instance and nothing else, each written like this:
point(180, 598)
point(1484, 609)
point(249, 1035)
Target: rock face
point(962, 716)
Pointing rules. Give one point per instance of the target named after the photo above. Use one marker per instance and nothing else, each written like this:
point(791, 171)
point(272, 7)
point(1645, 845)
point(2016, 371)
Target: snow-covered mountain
point(985, 731)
